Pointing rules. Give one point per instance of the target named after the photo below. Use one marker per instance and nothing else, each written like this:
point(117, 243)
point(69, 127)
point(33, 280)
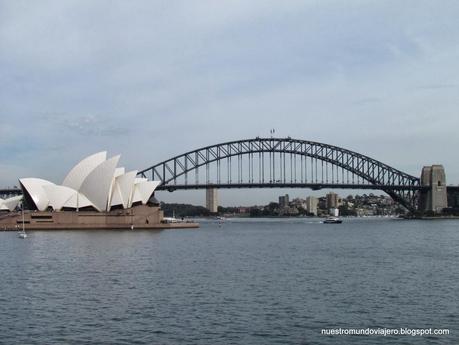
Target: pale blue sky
point(152, 79)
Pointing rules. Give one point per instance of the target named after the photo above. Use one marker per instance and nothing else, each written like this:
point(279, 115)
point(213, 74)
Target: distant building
point(298, 203)
point(311, 205)
point(212, 200)
point(332, 200)
point(283, 201)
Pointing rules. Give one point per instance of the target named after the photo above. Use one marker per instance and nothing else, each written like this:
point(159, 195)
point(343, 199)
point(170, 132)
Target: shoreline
point(96, 227)
point(139, 217)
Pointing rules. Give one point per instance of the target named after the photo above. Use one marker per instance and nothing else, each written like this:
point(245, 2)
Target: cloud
point(87, 125)
point(437, 86)
point(154, 79)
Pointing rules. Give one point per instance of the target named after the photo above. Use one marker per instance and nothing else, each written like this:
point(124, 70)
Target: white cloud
point(379, 78)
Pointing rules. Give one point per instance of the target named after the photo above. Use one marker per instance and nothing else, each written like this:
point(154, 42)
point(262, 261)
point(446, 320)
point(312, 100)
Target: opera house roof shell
point(95, 182)
point(10, 204)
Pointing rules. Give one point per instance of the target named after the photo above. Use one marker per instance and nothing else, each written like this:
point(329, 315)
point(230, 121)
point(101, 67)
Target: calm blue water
point(243, 282)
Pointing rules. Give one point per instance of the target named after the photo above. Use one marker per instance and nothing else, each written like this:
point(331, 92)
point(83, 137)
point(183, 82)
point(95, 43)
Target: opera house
point(95, 194)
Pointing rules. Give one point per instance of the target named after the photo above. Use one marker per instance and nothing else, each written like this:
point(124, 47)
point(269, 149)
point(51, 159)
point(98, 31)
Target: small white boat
point(22, 234)
point(172, 219)
point(332, 220)
point(168, 220)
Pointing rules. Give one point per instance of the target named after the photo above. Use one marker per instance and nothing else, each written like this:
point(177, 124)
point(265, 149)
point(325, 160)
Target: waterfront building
point(332, 200)
point(94, 184)
point(94, 195)
point(311, 205)
point(333, 212)
point(283, 201)
point(212, 200)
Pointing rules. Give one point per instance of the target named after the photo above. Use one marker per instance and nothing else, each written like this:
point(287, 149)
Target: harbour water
point(243, 281)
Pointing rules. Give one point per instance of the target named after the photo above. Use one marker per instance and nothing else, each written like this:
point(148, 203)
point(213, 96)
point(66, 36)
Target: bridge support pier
point(435, 198)
point(212, 200)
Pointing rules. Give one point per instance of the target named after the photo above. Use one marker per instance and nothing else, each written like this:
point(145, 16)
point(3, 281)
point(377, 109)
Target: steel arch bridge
point(282, 162)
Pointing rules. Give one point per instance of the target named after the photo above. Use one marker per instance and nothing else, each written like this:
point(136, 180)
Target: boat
point(172, 219)
point(332, 220)
point(169, 220)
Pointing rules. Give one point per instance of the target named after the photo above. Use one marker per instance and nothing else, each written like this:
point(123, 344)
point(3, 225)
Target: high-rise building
point(311, 205)
point(283, 201)
point(212, 200)
point(332, 200)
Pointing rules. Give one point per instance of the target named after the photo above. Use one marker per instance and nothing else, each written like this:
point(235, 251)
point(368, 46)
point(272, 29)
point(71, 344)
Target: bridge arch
point(266, 153)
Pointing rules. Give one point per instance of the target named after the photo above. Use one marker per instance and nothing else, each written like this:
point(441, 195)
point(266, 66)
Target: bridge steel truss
point(283, 162)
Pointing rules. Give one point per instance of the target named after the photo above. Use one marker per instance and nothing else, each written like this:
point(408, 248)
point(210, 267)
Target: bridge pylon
point(434, 198)
point(212, 199)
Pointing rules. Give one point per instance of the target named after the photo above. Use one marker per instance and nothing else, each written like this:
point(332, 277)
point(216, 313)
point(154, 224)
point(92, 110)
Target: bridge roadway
point(452, 191)
point(313, 186)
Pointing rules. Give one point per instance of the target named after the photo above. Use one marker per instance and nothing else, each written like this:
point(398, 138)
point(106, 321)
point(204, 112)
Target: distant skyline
point(153, 79)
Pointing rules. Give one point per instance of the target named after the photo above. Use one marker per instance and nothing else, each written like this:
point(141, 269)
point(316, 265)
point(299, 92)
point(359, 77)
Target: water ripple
point(249, 282)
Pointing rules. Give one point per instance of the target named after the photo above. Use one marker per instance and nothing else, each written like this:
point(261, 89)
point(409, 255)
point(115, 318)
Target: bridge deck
point(313, 186)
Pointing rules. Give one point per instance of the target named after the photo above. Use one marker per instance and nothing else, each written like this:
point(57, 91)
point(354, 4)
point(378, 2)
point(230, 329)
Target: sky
point(153, 79)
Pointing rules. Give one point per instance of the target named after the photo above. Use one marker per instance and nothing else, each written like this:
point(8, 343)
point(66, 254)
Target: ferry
point(332, 220)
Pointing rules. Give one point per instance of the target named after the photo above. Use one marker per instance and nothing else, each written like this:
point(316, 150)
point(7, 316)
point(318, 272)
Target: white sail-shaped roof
point(112, 193)
point(11, 203)
point(119, 171)
point(80, 172)
point(94, 181)
point(58, 195)
point(96, 186)
point(77, 201)
point(143, 191)
point(135, 196)
point(116, 198)
point(122, 189)
point(34, 187)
